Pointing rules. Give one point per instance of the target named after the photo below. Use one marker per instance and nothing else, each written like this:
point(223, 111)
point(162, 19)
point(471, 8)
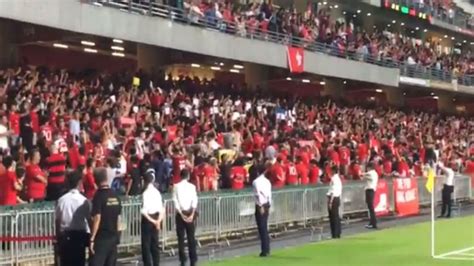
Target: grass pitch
point(408, 245)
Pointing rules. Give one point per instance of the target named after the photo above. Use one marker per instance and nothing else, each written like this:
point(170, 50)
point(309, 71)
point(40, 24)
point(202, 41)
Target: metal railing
point(27, 232)
point(190, 17)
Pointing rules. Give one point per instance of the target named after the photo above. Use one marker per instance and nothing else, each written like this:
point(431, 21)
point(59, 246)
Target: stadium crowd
point(55, 121)
point(317, 29)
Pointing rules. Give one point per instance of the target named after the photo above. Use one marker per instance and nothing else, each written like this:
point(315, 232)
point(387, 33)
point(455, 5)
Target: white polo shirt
point(372, 179)
point(335, 187)
point(152, 201)
point(185, 196)
point(262, 190)
point(73, 210)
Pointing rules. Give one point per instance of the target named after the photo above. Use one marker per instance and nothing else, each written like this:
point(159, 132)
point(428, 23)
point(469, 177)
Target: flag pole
point(433, 218)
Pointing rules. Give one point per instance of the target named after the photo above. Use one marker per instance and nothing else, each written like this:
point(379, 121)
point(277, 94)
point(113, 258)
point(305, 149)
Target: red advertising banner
point(295, 59)
point(381, 203)
point(406, 196)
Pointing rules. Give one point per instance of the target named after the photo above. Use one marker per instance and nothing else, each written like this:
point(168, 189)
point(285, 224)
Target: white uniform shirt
point(449, 180)
point(73, 210)
point(263, 190)
point(335, 187)
point(4, 139)
point(152, 201)
point(185, 196)
point(372, 179)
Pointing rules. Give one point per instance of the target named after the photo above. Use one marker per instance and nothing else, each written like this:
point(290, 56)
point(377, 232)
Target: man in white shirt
point(263, 199)
point(72, 228)
point(185, 202)
point(372, 179)
point(334, 201)
point(448, 189)
point(152, 215)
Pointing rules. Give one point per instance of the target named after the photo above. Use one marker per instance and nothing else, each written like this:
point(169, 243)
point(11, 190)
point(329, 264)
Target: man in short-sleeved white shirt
point(334, 201)
point(372, 179)
point(263, 199)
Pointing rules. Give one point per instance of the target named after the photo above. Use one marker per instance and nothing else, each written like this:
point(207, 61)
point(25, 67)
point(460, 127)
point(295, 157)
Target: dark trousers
point(183, 228)
point(446, 194)
point(105, 251)
point(334, 218)
point(369, 199)
point(262, 226)
point(150, 242)
point(71, 248)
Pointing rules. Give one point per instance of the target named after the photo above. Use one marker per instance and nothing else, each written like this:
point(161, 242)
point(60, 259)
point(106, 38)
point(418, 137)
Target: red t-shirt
point(277, 171)
point(344, 155)
point(7, 186)
point(47, 132)
point(14, 120)
point(238, 175)
point(403, 169)
point(355, 171)
point(313, 174)
point(179, 163)
point(303, 173)
point(36, 189)
point(291, 174)
point(88, 182)
point(362, 152)
point(470, 167)
point(387, 167)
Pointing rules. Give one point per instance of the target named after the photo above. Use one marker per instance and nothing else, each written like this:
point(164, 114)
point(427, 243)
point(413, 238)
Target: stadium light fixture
point(196, 65)
point(221, 64)
point(288, 78)
point(435, 97)
point(344, 82)
point(432, 93)
point(60, 45)
point(402, 24)
point(238, 67)
point(322, 83)
point(417, 28)
point(472, 43)
point(464, 41)
point(368, 14)
point(336, 6)
point(372, 98)
point(118, 54)
point(325, 3)
point(344, 12)
point(87, 43)
point(215, 68)
point(425, 30)
point(354, 15)
point(389, 25)
point(306, 81)
point(235, 71)
point(89, 50)
point(117, 48)
point(394, 21)
point(445, 36)
point(117, 41)
point(452, 38)
point(378, 90)
point(412, 31)
point(358, 11)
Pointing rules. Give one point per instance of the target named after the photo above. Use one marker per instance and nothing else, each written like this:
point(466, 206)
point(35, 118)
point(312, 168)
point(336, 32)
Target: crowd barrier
point(27, 232)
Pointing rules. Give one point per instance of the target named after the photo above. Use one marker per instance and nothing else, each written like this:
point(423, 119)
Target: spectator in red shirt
point(56, 165)
point(14, 123)
point(355, 170)
point(179, 163)
point(36, 179)
point(238, 175)
point(291, 172)
point(88, 181)
point(277, 174)
point(303, 171)
point(9, 183)
point(314, 172)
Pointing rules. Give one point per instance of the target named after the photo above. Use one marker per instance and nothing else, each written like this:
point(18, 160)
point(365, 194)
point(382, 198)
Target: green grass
point(409, 245)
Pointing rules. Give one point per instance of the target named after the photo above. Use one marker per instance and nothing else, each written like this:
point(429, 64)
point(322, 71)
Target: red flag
point(296, 59)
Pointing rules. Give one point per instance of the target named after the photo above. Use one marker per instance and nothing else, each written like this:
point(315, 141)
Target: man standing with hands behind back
point(185, 201)
point(372, 179)
point(263, 199)
point(334, 201)
point(106, 210)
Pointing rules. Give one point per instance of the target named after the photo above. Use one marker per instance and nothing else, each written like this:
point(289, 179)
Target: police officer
point(152, 215)
point(106, 210)
point(263, 199)
point(72, 214)
point(372, 179)
point(447, 191)
point(185, 201)
point(334, 201)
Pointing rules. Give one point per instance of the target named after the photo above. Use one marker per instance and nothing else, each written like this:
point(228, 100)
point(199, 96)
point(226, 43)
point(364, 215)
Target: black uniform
point(107, 204)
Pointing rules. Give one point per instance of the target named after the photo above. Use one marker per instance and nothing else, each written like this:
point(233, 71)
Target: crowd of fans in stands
point(318, 30)
point(55, 121)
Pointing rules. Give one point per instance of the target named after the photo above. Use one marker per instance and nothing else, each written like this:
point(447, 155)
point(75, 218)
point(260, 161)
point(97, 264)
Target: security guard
point(263, 198)
point(152, 215)
point(185, 201)
point(372, 179)
point(334, 201)
point(448, 189)
point(72, 214)
point(106, 210)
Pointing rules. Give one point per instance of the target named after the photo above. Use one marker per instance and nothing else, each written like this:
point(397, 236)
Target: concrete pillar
point(151, 58)
point(394, 96)
point(256, 75)
point(333, 88)
point(446, 104)
point(8, 47)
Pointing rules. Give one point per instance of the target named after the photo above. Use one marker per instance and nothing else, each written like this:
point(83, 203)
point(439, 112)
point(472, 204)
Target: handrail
point(190, 17)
